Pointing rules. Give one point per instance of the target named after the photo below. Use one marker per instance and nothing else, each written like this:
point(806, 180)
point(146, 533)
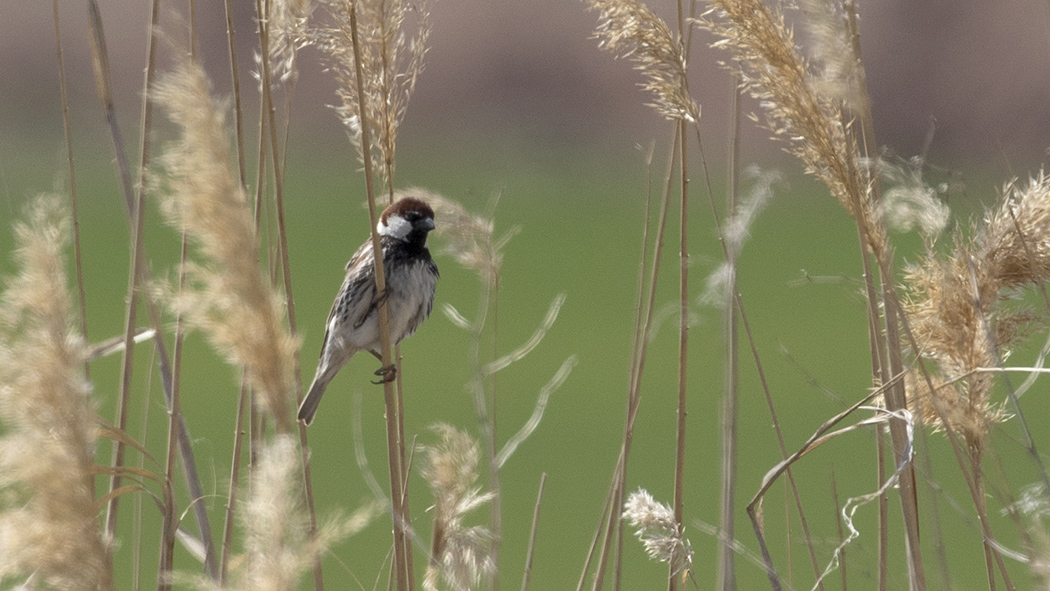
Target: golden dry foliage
point(392, 36)
point(227, 296)
point(459, 554)
point(48, 520)
point(959, 311)
point(631, 29)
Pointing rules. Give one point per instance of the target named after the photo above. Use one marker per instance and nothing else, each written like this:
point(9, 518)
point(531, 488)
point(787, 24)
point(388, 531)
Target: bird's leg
point(388, 374)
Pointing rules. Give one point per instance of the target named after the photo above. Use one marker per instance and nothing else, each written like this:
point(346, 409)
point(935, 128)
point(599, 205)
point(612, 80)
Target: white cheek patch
point(395, 227)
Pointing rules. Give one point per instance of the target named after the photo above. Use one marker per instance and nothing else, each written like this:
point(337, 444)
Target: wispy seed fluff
point(736, 231)
point(227, 296)
point(1032, 508)
point(467, 237)
point(460, 555)
point(910, 203)
point(48, 522)
point(656, 527)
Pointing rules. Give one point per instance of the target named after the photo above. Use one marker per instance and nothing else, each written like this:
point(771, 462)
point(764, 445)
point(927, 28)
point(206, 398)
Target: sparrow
point(353, 323)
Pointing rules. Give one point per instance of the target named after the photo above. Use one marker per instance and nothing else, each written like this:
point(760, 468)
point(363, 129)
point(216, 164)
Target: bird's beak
point(425, 224)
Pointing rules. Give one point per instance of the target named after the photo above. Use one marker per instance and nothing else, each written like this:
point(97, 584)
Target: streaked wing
point(359, 254)
point(361, 257)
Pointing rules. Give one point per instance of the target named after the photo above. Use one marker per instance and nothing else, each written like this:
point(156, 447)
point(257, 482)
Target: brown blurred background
point(503, 77)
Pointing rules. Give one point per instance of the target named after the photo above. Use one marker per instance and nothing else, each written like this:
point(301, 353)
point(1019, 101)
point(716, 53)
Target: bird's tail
point(308, 408)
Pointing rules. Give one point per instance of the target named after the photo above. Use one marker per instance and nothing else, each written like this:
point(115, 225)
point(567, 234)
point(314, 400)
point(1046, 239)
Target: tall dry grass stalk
point(630, 29)
point(811, 107)
point(282, 32)
point(376, 63)
point(67, 128)
point(227, 297)
point(139, 275)
point(49, 530)
point(729, 416)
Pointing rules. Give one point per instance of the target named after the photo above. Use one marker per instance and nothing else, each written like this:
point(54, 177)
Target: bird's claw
point(387, 374)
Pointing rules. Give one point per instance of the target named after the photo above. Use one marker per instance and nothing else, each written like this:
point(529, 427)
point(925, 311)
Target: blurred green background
point(558, 140)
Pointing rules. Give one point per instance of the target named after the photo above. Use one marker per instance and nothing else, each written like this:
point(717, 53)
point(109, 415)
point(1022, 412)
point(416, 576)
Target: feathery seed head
point(227, 296)
point(459, 555)
point(392, 41)
point(288, 32)
point(772, 69)
point(960, 308)
point(662, 536)
point(278, 546)
point(631, 29)
point(1017, 236)
point(48, 526)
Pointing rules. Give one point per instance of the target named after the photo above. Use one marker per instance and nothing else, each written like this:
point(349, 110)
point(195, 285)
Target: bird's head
point(408, 219)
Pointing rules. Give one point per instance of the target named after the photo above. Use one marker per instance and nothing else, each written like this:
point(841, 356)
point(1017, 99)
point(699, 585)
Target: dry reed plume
point(802, 107)
point(960, 307)
point(288, 32)
point(227, 296)
point(631, 29)
point(459, 554)
point(278, 546)
point(655, 525)
point(393, 42)
point(48, 526)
